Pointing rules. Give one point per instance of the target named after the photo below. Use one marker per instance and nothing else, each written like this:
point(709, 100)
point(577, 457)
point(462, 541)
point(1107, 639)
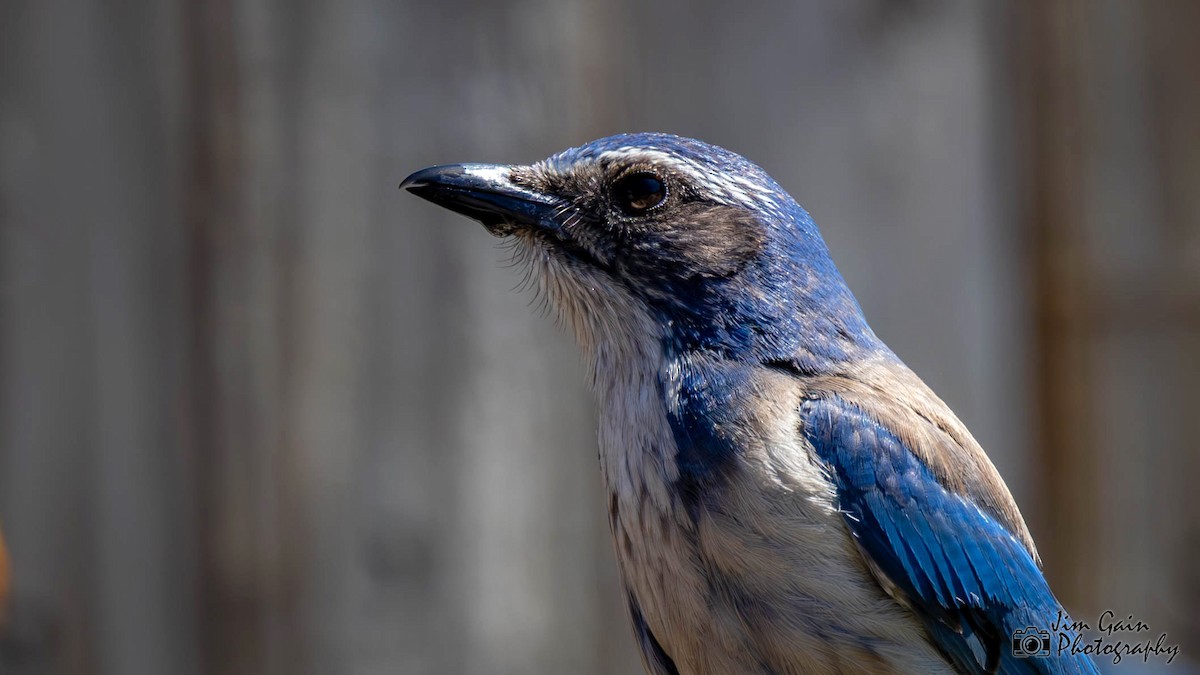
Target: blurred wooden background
point(262, 413)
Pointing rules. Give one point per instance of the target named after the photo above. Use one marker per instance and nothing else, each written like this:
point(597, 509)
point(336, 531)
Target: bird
point(784, 494)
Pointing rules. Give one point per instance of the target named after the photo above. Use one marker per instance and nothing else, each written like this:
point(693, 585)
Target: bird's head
point(658, 238)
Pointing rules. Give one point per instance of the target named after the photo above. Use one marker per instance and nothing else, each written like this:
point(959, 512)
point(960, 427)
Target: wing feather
point(972, 581)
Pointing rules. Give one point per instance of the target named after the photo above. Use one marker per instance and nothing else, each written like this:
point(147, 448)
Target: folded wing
point(971, 581)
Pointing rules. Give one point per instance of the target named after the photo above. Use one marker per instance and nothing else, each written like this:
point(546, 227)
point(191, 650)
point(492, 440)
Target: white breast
point(766, 577)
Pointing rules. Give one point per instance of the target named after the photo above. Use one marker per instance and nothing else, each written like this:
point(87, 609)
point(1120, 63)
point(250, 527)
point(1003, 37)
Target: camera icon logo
point(1030, 641)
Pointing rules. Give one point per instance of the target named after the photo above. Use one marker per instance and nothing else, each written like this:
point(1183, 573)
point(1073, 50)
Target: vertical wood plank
point(92, 485)
point(1049, 72)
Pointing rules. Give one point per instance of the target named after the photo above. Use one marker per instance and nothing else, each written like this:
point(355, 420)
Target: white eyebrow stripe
point(729, 188)
point(630, 152)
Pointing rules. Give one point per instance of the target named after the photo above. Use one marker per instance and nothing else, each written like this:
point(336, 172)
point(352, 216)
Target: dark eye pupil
point(640, 192)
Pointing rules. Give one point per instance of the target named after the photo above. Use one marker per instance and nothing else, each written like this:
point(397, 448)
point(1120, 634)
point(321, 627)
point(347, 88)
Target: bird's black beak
point(486, 193)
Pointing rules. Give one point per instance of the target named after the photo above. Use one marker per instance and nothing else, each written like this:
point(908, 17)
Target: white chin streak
point(613, 328)
point(622, 347)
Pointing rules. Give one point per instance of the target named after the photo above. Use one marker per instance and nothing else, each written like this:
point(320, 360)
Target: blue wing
point(969, 579)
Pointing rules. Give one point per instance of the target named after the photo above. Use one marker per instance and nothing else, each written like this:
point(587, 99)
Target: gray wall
point(262, 413)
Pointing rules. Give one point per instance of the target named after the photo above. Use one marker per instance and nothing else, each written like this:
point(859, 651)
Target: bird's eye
point(639, 192)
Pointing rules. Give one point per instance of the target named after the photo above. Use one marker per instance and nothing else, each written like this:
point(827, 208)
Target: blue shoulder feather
point(969, 579)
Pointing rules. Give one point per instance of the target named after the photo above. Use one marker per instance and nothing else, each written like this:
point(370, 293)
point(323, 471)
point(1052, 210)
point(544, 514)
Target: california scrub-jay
point(785, 495)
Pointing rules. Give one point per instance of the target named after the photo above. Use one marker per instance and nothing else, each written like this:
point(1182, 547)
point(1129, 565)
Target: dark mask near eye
point(638, 193)
point(689, 241)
